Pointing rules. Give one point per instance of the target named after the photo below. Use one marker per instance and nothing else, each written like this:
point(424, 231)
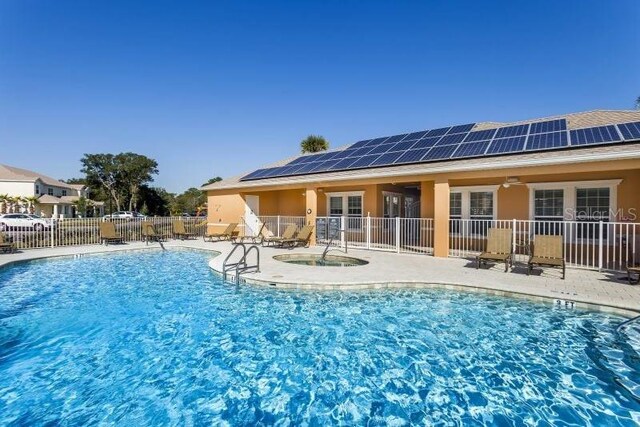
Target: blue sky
point(219, 88)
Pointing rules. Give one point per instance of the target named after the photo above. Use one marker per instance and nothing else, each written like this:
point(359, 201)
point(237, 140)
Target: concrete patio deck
point(581, 289)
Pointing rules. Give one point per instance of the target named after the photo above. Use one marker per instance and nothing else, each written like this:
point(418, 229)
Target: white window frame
point(345, 205)
point(466, 198)
point(569, 189)
point(400, 197)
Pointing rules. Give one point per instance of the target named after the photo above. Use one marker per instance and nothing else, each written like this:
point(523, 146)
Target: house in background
point(579, 168)
point(56, 199)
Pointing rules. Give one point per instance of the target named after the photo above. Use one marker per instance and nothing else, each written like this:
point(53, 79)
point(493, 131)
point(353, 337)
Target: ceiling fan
point(512, 180)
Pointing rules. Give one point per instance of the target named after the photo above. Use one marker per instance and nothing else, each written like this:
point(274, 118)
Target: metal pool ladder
point(335, 234)
point(241, 266)
point(626, 323)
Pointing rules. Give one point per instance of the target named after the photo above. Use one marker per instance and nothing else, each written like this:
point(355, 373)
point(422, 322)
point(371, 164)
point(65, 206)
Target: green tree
point(314, 144)
point(120, 175)
point(81, 205)
point(638, 103)
point(189, 201)
point(212, 181)
point(155, 200)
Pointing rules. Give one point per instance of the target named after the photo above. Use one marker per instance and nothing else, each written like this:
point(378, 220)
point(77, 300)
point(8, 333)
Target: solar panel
point(630, 131)
point(395, 138)
point(461, 128)
point(416, 135)
point(343, 164)
point(440, 152)
point(308, 167)
point(324, 166)
point(412, 156)
point(544, 141)
point(361, 151)
point(364, 161)
point(403, 145)
point(382, 148)
point(595, 135)
point(471, 149)
point(360, 144)
point(254, 175)
point(510, 131)
point(387, 159)
point(549, 126)
point(507, 145)
point(451, 139)
point(480, 135)
point(377, 141)
point(426, 142)
point(437, 132)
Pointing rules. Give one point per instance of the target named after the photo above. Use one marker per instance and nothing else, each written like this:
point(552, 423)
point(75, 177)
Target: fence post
point(343, 231)
point(278, 225)
point(368, 231)
point(513, 236)
point(397, 234)
point(53, 224)
point(600, 245)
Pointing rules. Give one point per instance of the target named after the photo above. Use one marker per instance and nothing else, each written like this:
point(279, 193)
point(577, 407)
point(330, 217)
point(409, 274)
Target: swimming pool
point(155, 338)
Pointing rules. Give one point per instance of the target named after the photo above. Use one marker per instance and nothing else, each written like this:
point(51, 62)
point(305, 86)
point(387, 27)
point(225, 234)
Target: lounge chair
point(7, 246)
point(149, 232)
point(303, 238)
point(227, 234)
point(548, 251)
point(630, 272)
point(289, 233)
point(255, 237)
point(179, 231)
point(108, 233)
point(499, 248)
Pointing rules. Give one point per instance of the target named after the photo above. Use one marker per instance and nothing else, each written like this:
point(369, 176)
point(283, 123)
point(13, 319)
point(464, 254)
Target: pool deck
point(584, 288)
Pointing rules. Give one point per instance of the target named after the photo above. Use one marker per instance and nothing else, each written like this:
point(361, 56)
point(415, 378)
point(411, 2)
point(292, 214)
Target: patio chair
point(303, 238)
point(289, 233)
point(227, 234)
point(6, 245)
point(108, 233)
point(499, 248)
point(149, 232)
point(255, 237)
point(630, 272)
point(179, 231)
point(548, 251)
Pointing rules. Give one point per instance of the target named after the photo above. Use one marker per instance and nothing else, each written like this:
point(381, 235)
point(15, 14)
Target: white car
point(124, 215)
point(23, 221)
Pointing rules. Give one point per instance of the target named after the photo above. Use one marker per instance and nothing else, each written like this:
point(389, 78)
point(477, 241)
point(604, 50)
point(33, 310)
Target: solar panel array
point(456, 142)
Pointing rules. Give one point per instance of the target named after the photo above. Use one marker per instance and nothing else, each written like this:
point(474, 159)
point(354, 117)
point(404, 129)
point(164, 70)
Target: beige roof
point(10, 173)
point(574, 121)
point(77, 186)
point(46, 199)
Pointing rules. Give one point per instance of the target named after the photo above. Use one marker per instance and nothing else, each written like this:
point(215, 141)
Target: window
point(481, 205)
point(64, 192)
point(50, 191)
point(549, 205)
point(472, 203)
point(347, 204)
point(580, 201)
point(455, 205)
point(37, 189)
point(592, 206)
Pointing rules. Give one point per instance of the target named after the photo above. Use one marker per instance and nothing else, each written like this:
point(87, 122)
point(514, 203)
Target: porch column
point(441, 218)
point(311, 210)
point(55, 211)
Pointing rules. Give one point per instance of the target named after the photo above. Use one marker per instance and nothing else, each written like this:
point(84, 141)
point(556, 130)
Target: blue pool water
point(155, 338)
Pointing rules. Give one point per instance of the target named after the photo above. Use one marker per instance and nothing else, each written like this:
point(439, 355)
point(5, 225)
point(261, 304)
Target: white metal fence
point(401, 235)
point(86, 231)
point(595, 245)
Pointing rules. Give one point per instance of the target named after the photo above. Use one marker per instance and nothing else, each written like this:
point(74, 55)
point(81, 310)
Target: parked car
point(23, 221)
point(124, 215)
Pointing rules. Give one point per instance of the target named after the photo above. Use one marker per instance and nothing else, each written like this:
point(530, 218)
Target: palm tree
point(11, 203)
point(32, 202)
point(4, 203)
point(81, 205)
point(314, 144)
